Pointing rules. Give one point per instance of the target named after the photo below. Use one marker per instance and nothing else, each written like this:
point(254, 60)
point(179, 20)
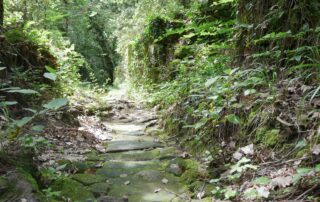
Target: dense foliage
point(232, 73)
point(226, 75)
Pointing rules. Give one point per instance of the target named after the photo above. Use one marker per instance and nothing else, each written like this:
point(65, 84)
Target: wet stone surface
point(133, 165)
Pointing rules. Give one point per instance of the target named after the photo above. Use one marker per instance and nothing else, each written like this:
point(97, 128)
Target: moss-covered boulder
point(100, 189)
point(80, 166)
point(150, 175)
point(72, 189)
point(89, 179)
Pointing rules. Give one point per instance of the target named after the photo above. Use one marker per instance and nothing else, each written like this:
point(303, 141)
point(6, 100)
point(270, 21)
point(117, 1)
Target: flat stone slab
point(89, 179)
point(123, 145)
point(114, 169)
point(151, 191)
point(131, 129)
point(166, 153)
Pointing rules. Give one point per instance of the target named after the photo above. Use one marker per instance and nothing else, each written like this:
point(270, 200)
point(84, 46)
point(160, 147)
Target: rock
point(72, 189)
point(123, 145)
point(89, 179)
point(112, 199)
point(150, 175)
point(174, 169)
point(158, 153)
point(100, 189)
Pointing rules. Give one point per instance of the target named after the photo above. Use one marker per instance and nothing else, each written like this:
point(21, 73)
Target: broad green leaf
point(230, 193)
point(38, 128)
point(50, 76)
point(61, 167)
point(232, 118)
point(213, 181)
point(297, 58)
point(8, 103)
point(262, 180)
point(317, 168)
point(304, 171)
point(296, 178)
point(249, 92)
point(244, 160)
point(30, 110)
point(301, 144)
point(251, 193)
point(50, 69)
point(200, 124)
point(56, 104)
point(22, 122)
point(2, 68)
point(23, 91)
point(211, 81)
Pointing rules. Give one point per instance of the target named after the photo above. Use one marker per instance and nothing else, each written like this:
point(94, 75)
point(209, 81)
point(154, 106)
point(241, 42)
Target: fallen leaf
point(127, 182)
point(316, 149)
point(248, 150)
point(201, 194)
point(157, 190)
point(237, 155)
point(263, 192)
point(165, 181)
point(281, 181)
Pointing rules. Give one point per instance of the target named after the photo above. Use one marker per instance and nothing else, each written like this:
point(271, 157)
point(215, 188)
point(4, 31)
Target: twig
point(306, 192)
point(278, 162)
point(284, 122)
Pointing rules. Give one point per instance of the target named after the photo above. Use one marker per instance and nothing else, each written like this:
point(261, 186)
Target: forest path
point(136, 164)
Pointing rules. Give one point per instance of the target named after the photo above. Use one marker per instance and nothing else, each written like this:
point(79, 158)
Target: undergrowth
point(226, 75)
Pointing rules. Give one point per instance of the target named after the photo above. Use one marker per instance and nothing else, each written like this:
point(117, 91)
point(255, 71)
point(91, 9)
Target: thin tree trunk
point(1, 13)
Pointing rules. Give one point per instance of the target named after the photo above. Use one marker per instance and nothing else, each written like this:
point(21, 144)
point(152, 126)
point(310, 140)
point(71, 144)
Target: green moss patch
point(268, 137)
point(72, 189)
point(89, 179)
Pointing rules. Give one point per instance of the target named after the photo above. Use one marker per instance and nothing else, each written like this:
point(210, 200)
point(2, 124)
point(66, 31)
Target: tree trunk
point(1, 13)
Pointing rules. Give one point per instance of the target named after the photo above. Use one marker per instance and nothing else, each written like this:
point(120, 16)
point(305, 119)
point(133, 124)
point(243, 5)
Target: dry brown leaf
point(248, 150)
point(316, 149)
point(282, 181)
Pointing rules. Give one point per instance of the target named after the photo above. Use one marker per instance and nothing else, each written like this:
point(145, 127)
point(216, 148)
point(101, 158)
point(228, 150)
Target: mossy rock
point(80, 166)
point(89, 179)
point(115, 169)
point(94, 156)
point(189, 167)
point(100, 189)
point(29, 178)
point(72, 189)
point(191, 173)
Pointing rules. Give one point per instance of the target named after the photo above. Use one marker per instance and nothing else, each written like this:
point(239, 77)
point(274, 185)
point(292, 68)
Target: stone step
point(129, 145)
